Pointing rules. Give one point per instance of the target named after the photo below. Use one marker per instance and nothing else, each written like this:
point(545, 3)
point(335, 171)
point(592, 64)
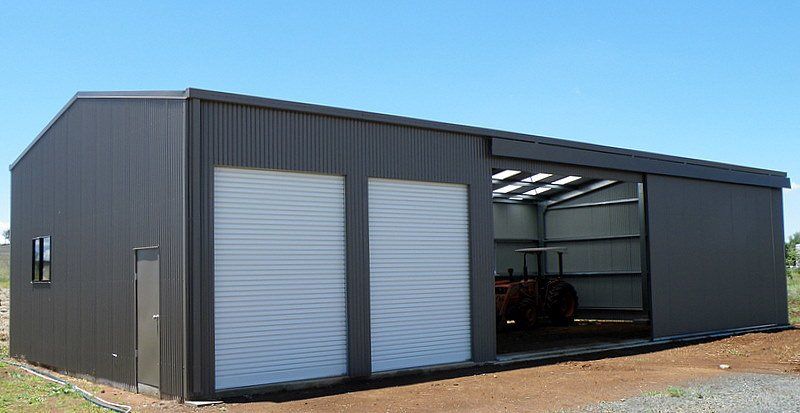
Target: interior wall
point(515, 226)
point(600, 230)
point(716, 254)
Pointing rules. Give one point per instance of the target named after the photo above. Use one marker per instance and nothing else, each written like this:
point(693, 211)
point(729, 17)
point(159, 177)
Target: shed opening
point(569, 255)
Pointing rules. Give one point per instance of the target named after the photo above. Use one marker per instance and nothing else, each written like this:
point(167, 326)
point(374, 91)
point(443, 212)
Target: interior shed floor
point(546, 338)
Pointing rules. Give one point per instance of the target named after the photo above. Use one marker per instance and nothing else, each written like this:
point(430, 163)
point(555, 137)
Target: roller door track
point(419, 274)
point(279, 277)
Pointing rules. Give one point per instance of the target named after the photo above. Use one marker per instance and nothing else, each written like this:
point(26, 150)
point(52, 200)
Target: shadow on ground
point(419, 376)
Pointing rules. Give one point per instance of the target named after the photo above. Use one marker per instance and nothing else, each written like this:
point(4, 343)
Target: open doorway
point(569, 254)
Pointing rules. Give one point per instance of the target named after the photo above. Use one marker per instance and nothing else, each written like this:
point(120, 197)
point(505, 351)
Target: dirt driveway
point(551, 387)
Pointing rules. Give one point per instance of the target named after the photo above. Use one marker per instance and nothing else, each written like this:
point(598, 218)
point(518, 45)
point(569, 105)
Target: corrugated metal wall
point(246, 136)
point(234, 134)
point(110, 175)
point(600, 230)
point(105, 178)
point(515, 226)
point(715, 256)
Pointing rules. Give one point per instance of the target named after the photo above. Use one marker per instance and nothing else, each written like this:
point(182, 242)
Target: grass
point(735, 352)
point(793, 284)
point(672, 391)
point(4, 267)
point(23, 392)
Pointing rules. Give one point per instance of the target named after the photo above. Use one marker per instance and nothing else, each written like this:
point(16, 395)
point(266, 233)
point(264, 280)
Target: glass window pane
point(35, 259)
point(46, 259)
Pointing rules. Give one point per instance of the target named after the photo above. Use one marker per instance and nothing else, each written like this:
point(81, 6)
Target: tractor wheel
point(525, 314)
point(561, 303)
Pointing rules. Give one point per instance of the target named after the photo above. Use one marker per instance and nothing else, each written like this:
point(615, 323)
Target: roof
point(632, 158)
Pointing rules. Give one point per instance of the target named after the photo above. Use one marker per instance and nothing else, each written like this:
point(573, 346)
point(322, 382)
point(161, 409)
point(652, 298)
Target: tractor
point(527, 299)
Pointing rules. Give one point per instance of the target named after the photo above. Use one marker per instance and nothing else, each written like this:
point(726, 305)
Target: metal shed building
point(199, 243)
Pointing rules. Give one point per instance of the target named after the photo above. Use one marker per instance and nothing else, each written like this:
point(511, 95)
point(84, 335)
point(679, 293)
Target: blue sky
point(718, 80)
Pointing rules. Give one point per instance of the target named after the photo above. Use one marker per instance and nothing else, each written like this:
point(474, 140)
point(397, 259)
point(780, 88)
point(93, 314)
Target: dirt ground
point(543, 338)
point(547, 387)
point(551, 387)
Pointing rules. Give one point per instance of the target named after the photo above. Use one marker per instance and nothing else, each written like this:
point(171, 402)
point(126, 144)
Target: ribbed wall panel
point(107, 177)
point(506, 257)
point(515, 226)
point(279, 277)
point(576, 229)
point(622, 190)
point(250, 137)
point(615, 255)
point(594, 221)
point(75, 186)
point(515, 221)
point(710, 269)
point(419, 274)
point(617, 292)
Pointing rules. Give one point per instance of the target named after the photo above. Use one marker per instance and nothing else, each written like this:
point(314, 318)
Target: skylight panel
point(538, 191)
point(564, 181)
point(505, 174)
point(506, 189)
point(536, 178)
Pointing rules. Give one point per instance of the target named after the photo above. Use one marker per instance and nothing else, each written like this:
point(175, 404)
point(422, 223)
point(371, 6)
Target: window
point(41, 260)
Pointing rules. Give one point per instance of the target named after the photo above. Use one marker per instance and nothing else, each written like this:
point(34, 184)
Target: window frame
point(40, 266)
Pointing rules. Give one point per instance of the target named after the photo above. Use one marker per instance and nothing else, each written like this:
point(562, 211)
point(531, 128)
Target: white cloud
point(795, 185)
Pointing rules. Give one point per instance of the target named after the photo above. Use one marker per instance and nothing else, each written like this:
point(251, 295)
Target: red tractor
point(524, 301)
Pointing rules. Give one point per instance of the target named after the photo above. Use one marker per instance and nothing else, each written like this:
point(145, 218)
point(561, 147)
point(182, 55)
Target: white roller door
point(419, 274)
point(279, 277)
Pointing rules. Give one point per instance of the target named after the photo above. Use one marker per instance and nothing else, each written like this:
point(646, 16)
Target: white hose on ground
point(116, 407)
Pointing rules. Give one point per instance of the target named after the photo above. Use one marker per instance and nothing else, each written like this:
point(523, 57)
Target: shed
point(199, 244)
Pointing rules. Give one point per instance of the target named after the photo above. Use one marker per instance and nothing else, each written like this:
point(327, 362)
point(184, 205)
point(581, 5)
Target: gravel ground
point(728, 393)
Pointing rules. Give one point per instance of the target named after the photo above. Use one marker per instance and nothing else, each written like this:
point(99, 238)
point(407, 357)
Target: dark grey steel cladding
point(116, 171)
point(636, 161)
point(715, 253)
point(104, 178)
point(254, 137)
